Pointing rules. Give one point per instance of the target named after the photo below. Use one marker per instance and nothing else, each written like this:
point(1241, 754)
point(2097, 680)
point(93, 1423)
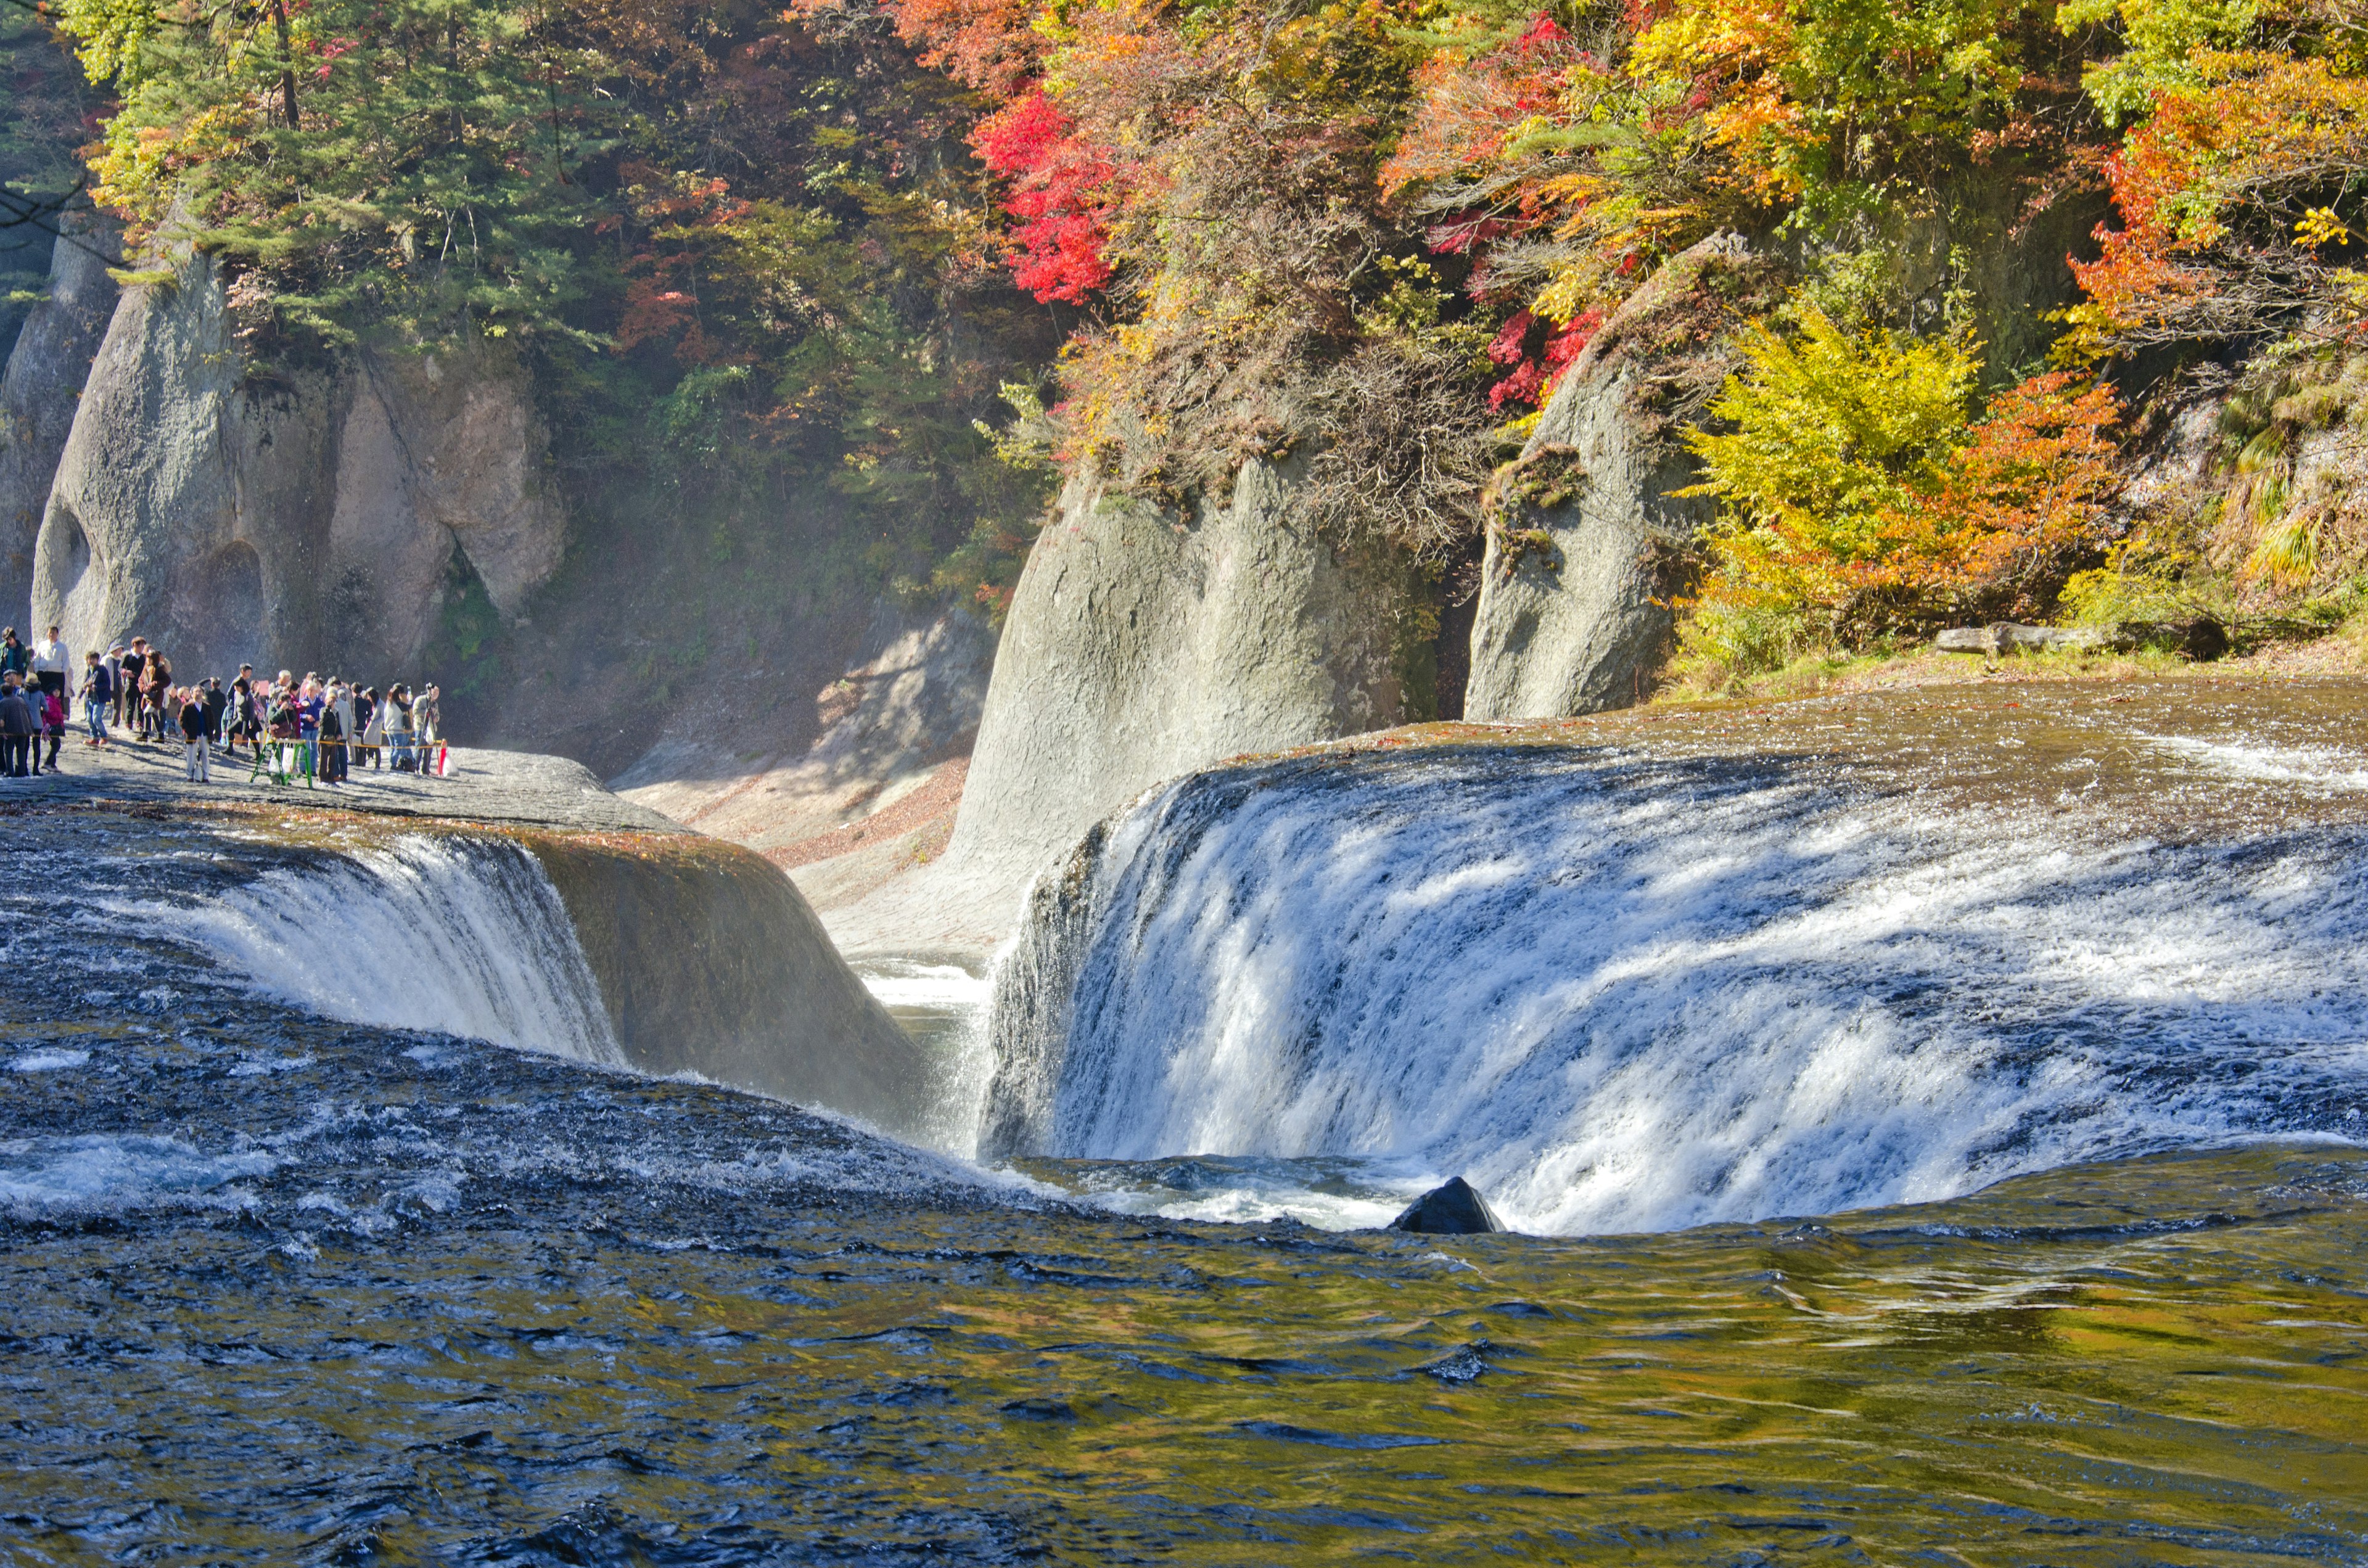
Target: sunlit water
point(284, 1289)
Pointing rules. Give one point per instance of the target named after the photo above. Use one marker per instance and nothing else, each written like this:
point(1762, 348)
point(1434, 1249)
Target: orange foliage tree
point(2017, 505)
point(2237, 205)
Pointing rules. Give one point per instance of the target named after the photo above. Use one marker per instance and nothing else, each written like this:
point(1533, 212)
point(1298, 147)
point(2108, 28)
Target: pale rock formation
point(436, 452)
point(1141, 645)
point(39, 390)
point(859, 793)
point(306, 519)
point(1588, 529)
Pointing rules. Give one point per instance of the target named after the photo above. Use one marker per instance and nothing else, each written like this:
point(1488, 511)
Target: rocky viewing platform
point(515, 899)
point(517, 788)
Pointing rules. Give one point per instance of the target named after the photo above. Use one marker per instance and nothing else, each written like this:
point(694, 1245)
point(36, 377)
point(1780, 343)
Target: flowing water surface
point(284, 1286)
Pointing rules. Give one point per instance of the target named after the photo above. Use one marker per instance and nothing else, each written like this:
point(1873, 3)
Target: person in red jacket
point(51, 708)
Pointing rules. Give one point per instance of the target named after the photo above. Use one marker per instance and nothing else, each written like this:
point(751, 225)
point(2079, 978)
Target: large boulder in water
point(39, 390)
point(309, 516)
point(1452, 1208)
point(1588, 534)
point(1141, 644)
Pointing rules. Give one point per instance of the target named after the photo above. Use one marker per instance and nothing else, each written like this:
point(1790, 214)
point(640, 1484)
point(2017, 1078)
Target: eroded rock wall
point(850, 787)
point(39, 391)
point(1587, 531)
point(1141, 645)
point(708, 961)
point(305, 518)
point(437, 453)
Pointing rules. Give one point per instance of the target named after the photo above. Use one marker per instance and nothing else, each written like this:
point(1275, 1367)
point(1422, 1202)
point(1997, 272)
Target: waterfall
point(1623, 995)
point(466, 935)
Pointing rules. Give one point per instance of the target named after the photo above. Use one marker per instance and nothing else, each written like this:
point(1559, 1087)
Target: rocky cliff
point(1141, 644)
point(861, 793)
point(40, 390)
point(304, 518)
point(1587, 534)
point(1588, 540)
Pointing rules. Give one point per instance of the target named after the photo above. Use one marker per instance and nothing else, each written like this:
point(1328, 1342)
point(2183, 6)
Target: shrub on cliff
point(1204, 182)
point(1859, 498)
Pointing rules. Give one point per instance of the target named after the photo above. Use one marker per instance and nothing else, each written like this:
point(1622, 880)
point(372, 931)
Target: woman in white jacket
point(374, 733)
point(397, 711)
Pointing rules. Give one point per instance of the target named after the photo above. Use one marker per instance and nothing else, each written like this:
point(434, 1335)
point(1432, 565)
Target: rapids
point(295, 1278)
point(1650, 984)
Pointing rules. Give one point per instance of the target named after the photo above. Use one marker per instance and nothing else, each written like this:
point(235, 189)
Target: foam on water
point(2324, 768)
point(462, 935)
point(1627, 1002)
point(904, 982)
point(1328, 1194)
point(48, 1061)
point(116, 1172)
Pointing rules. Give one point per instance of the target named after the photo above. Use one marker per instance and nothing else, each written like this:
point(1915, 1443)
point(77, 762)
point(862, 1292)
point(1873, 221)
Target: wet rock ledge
point(707, 958)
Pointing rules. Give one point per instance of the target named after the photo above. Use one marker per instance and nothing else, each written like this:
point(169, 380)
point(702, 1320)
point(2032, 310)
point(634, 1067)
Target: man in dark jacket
point(216, 700)
point(18, 727)
point(97, 693)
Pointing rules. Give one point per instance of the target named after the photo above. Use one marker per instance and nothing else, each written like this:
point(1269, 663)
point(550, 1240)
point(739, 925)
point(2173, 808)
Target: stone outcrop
point(1454, 1208)
point(848, 790)
point(2198, 637)
point(39, 393)
point(307, 519)
point(708, 961)
point(1140, 645)
point(435, 453)
point(1587, 529)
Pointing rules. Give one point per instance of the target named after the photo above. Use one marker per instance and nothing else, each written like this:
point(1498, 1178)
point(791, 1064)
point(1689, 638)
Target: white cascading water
point(464, 935)
point(1620, 1003)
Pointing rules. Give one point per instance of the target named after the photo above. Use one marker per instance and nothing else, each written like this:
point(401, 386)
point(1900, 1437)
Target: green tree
point(1827, 440)
point(1825, 435)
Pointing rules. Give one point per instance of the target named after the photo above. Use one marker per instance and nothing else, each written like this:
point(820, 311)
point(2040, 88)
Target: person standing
point(193, 736)
point(309, 705)
point(398, 728)
point(51, 662)
point(97, 697)
point(373, 714)
point(156, 689)
point(242, 708)
point(16, 725)
point(15, 659)
point(348, 727)
point(428, 716)
point(132, 666)
point(332, 740)
point(259, 714)
point(51, 708)
point(209, 693)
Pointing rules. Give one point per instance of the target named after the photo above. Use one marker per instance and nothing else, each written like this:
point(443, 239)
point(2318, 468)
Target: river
point(285, 1287)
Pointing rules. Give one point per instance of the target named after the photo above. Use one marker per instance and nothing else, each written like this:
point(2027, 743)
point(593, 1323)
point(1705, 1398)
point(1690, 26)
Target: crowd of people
point(310, 728)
